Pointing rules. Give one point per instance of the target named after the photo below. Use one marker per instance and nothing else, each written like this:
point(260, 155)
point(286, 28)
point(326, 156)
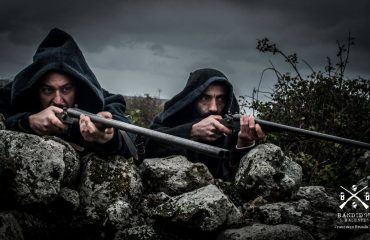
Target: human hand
point(92, 132)
point(209, 129)
point(46, 122)
point(249, 132)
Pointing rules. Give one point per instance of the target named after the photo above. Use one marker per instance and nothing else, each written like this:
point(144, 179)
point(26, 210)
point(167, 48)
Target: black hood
point(58, 52)
point(198, 82)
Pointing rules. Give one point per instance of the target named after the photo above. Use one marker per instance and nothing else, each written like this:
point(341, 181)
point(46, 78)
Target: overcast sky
point(138, 47)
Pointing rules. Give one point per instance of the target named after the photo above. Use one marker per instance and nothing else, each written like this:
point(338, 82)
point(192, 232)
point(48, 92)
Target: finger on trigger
point(222, 128)
point(56, 122)
point(217, 117)
point(56, 109)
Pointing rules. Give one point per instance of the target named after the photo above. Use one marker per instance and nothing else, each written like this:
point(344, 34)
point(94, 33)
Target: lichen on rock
point(174, 175)
point(107, 180)
point(265, 171)
point(36, 164)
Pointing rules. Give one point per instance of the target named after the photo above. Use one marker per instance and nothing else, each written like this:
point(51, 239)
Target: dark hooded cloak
point(179, 116)
point(58, 52)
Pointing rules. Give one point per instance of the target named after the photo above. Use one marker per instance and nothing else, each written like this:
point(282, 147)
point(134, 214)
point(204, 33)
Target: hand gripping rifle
point(70, 116)
point(232, 121)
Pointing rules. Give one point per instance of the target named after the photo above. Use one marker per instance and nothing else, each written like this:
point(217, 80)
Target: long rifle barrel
point(323, 136)
point(159, 136)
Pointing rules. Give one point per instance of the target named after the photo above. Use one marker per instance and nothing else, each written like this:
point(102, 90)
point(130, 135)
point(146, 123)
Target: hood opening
point(58, 52)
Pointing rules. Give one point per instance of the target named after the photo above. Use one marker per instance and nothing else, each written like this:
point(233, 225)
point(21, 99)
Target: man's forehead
point(56, 78)
point(216, 88)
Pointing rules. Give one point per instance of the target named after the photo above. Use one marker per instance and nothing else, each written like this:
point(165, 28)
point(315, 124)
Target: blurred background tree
point(142, 109)
point(325, 101)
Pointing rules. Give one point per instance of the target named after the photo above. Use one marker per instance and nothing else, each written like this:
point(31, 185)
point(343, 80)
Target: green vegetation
point(142, 110)
point(325, 101)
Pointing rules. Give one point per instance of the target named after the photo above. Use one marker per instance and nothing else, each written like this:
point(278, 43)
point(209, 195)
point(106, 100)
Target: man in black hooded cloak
point(194, 114)
point(59, 76)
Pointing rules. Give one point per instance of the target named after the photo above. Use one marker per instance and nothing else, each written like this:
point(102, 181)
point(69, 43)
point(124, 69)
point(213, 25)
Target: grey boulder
point(205, 209)
point(174, 175)
point(265, 171)
point(35, 166)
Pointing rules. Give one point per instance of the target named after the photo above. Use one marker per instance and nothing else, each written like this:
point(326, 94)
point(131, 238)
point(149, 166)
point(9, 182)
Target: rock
point(205, 209)
point(71, 161)
point(45, 223)
point(152, 201)
point(32, 226)
point(122, 215)
point(183, 202)
point(2, 122)
point(35, 166)
point(285, 212)
point(319, 198)
point(263, 232)
point(318, 224)
point(9, 227)
point(69, 198)
point(266, 172)
point(174, 175)
point(229, 189)
point(365, 236)
point(105, 181)
point(144, 232)
point(323, 226)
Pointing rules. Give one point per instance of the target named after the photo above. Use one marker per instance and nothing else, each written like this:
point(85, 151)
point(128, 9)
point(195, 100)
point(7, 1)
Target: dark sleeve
point(158, 149)
point(236, 156)
point(115, 104)
point(232, 164)
point(13, 121)
point(5, 102)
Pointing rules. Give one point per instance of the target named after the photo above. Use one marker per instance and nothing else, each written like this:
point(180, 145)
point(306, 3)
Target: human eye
point(221, 99)
point(67, 89)
point(205, 98)
point(47, 90)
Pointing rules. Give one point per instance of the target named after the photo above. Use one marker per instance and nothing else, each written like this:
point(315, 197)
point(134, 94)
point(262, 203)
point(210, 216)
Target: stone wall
point(49, 192)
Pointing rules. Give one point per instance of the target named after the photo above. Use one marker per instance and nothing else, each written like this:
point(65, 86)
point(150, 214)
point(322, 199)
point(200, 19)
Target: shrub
point(325, 101)
point(142, 110)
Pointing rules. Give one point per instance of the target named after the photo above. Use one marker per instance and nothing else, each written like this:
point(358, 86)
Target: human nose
point(213, 105)
point(58, 98)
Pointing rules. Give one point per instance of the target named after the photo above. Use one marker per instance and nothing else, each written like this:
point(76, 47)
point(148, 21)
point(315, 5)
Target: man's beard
point(205, 115)
point(63, 105)
point(198, 115)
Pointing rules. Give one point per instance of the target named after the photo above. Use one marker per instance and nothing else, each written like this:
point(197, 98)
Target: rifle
point(70, 116)
point(232, 121)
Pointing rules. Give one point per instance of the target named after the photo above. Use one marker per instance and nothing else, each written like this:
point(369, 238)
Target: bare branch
point(309, 66)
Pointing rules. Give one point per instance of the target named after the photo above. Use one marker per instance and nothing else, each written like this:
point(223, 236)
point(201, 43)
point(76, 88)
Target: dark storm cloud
point(155, 44)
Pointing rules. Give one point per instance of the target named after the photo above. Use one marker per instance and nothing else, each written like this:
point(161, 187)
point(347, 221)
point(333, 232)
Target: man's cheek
point(71, 100)
point(46, 102)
